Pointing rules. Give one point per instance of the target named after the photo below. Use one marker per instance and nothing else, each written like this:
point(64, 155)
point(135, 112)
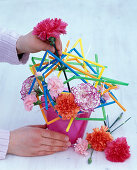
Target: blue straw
point(48, 69)
point(42, 61)
point(86, 62)
point(32, 86)
point(49, 96)
point(93, 71)
point(62, 56)
point(47, 65)
point(65, 65)
point(45, 95)
point(105, 104)
point(110, 91)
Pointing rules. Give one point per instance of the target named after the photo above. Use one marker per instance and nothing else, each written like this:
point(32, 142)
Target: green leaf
point(37, 103)
point(89, 160)
point(39, 92)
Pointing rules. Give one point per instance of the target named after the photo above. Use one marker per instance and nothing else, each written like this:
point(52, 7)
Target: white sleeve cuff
point(8, 48)
point(4, 142)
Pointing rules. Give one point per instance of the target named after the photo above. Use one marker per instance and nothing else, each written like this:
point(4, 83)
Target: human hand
point(36, 141)
point(29, 43)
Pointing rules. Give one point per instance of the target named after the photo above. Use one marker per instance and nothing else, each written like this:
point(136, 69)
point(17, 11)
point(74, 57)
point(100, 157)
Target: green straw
point(118, 118)
point(74, 63)
point(96, 119)
point(96, 59)
point(95, 79)
point(120, 125)
point(104, 79)
point(103, 108)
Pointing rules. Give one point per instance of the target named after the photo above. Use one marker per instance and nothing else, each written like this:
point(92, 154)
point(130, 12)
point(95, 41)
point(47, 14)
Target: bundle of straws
point(94, 91)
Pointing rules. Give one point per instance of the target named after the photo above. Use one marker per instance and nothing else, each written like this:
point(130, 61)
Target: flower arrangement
point(101, 139)
point(69, 108)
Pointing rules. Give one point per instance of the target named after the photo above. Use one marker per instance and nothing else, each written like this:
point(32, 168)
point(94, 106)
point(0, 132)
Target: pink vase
point(77, 128)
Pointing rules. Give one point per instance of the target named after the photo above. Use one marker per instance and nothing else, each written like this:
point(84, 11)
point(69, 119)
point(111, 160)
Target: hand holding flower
point(30, 43)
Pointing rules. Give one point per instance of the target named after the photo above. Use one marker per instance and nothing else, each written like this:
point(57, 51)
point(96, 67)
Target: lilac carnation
point(86, 96)
point(26, 86)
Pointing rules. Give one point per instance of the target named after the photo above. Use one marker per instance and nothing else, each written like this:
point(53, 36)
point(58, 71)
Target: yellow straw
point(102, 70)
point(69, 125)
point(72, 55)
point(82, 51)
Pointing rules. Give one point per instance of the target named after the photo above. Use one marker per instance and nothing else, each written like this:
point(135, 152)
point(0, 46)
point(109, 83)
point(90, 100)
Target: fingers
point(52, 142)
point(47, 148)
point(59, 46)
point(43, 153)
point(54, 135)
point(39, 126)
point(46, 46)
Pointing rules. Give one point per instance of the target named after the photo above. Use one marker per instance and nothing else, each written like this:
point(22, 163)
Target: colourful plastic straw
point(45, 95)
point(97, 69)
point(110, 88)
point(117, 102)
point(69, 125)
point(109, 84)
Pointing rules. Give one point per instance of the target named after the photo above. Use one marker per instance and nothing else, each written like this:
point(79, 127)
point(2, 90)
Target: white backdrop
point(109, 29)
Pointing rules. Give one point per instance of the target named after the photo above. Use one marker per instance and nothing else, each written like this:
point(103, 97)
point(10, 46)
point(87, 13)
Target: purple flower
point(86, 96)
point(26, 86)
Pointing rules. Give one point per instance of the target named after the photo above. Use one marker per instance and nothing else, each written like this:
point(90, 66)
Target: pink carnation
point(28, 102)
point(55, 85)
point(105, 95)
point(50, 28)
point(81, 146)
point(117, 150)
point(99, 88)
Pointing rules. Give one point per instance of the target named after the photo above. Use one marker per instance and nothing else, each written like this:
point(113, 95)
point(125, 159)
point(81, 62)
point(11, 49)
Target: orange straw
point(117, 102)
point(110, 88)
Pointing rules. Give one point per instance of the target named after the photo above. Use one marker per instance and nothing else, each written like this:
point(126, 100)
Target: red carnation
point(50, 28)
point(117, 150)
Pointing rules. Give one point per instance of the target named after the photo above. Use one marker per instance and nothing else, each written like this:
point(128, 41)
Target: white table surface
point(109, 28)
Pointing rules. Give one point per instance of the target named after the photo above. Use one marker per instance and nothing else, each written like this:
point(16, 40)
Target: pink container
point(77, 128)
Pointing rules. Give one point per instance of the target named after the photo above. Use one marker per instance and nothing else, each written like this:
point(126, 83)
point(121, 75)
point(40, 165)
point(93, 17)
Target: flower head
point(106, 96)
point(55, 85)
point(99, 138)
point(66, 106)
point(117, 150)
point(86, 96)
point(28, 101)
point(50, 28)
point(81, 146)
point(26, 86)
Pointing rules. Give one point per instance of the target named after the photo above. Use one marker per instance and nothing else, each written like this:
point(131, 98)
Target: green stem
point(120, 125)
point(63, 69)
point(90, 158)
point(118, 118)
